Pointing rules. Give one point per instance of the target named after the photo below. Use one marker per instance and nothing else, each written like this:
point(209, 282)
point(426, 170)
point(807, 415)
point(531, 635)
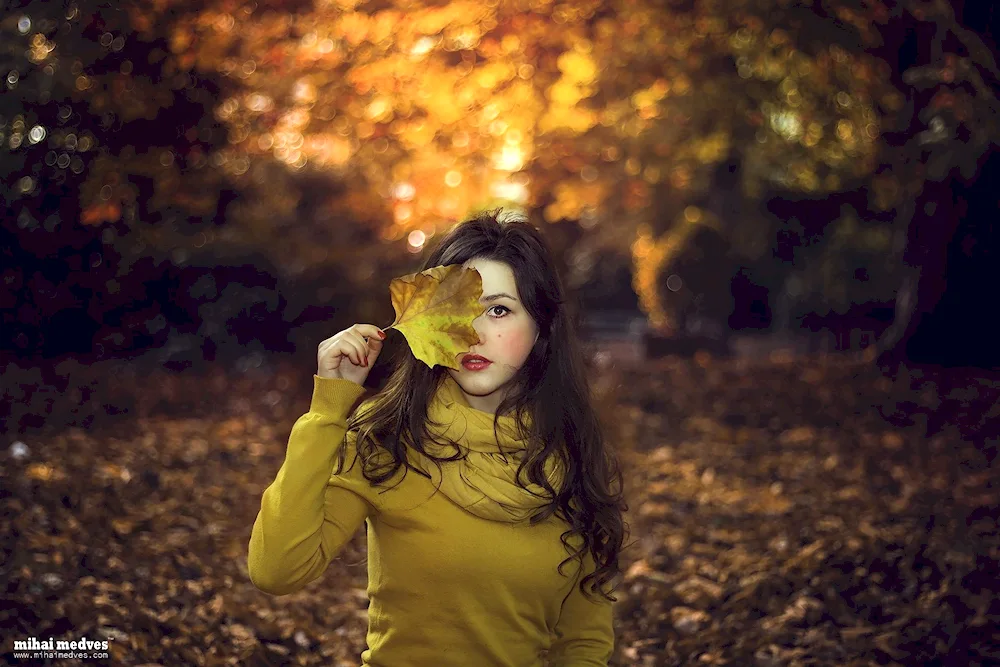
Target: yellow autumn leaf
point(434, 312)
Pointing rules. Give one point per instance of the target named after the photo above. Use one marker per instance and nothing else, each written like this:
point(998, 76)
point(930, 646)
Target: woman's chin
point(477, 382)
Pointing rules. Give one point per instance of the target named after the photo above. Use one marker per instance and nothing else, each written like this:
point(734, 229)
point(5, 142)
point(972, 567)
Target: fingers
point(357, 343)
point(369, 331)
point(369, 336)
point(367, 348)
point(356, 349)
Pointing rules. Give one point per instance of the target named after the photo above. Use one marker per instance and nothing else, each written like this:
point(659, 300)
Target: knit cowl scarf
point(484, 482)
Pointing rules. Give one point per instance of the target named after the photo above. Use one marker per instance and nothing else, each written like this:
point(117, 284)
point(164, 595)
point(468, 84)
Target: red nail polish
point(381, 335)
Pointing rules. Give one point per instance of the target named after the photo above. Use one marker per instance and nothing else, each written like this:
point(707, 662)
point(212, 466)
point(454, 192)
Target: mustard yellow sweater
point(457, 577)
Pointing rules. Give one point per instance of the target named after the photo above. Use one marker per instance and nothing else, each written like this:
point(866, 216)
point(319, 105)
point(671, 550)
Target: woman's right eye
point(496, 317)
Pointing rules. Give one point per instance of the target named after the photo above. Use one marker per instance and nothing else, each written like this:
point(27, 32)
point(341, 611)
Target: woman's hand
point(350, 354)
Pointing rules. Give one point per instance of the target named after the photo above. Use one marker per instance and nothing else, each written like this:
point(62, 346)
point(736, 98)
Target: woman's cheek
point(515, 345)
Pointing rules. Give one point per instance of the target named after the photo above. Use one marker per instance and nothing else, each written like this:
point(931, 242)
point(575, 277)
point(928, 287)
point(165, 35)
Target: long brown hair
point(562, 424)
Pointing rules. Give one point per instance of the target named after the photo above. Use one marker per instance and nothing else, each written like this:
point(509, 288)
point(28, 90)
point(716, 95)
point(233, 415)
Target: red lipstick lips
point(475, 362)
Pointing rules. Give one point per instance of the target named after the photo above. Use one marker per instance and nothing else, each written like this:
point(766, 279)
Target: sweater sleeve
point(585, 635)
point(308, 514)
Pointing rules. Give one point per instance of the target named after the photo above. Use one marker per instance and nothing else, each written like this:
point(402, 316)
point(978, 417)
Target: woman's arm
point(307, 514)
point(585, 634)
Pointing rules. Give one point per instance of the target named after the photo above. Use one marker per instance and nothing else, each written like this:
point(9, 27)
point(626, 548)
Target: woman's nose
point(477, 325)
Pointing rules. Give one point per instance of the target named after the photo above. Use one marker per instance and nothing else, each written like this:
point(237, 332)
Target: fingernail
point(381, 335)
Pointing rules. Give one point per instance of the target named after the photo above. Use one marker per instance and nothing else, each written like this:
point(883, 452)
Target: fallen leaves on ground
point(776, 519)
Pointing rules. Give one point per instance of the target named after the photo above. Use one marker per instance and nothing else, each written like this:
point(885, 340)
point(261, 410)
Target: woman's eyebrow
point(498, 295)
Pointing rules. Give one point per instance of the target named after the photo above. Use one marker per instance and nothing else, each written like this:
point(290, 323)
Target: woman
point(494, 551)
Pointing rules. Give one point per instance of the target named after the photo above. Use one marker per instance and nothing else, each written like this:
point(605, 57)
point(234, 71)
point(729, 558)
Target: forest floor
point(781, 513)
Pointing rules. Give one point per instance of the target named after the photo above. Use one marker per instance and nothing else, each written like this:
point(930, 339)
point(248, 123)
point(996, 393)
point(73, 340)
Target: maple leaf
point(434, 312)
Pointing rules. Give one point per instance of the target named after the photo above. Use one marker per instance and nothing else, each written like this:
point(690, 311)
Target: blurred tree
point(920, 117)
point(404, 117)
point(99, 129)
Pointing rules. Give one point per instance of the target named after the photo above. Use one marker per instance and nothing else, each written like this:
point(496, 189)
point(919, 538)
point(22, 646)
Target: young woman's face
point(506, 335)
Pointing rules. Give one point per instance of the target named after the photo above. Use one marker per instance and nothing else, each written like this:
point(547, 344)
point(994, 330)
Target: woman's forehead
point(497, 276)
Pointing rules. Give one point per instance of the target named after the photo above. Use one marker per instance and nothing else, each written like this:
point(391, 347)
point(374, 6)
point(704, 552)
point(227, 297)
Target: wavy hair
point(563, 423)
